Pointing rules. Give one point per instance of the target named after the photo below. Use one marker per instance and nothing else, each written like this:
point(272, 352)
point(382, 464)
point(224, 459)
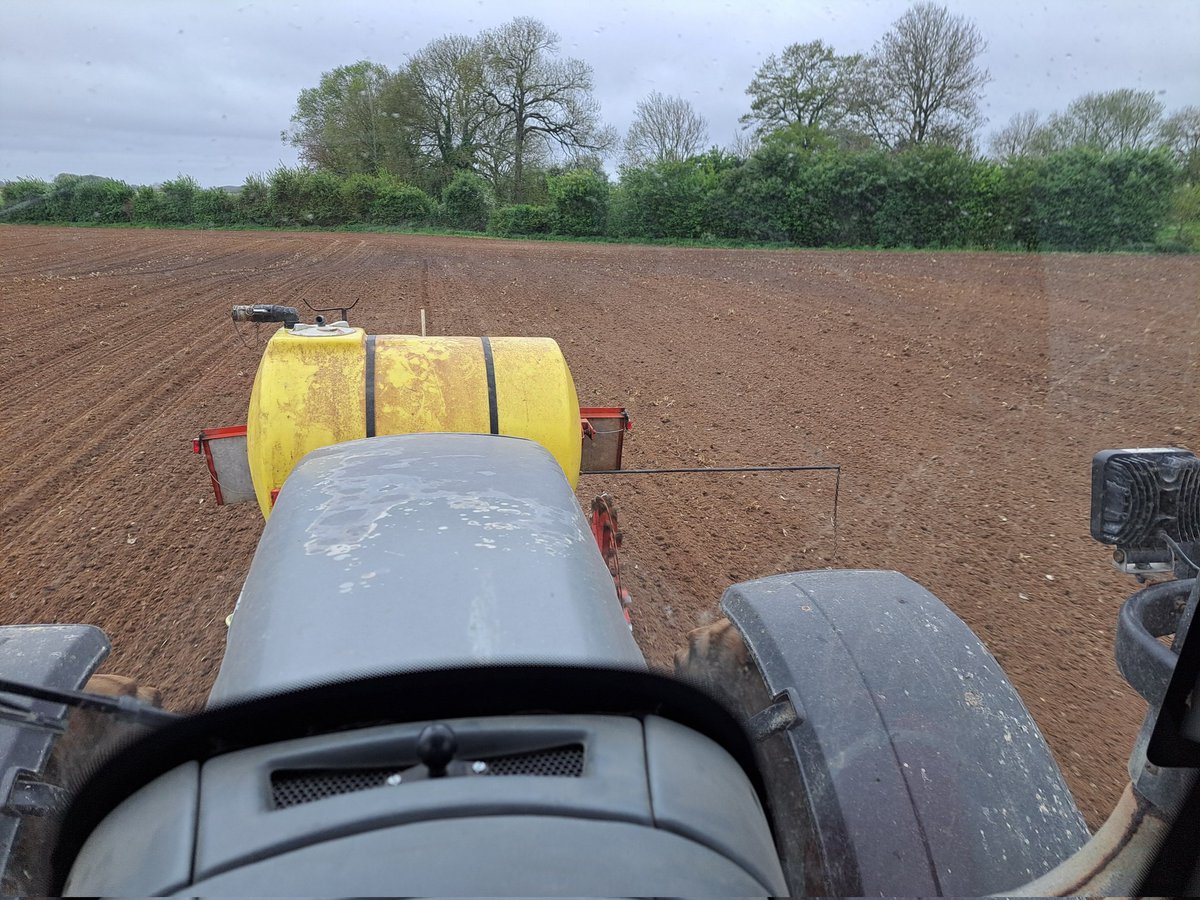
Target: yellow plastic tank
point(318, 386)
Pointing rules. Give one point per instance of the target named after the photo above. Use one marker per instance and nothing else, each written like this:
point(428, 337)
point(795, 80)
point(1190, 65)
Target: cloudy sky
point(144, 90)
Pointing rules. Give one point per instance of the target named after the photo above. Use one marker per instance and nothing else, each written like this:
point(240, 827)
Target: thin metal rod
point(837, 489)
point(700, 470)
point(126, 708)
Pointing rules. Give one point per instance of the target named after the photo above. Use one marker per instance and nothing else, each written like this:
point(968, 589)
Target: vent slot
point(558, 762)
point(294, 787)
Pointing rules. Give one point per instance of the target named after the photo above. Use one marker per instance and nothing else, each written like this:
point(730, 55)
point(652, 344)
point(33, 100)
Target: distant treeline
point(797, 187)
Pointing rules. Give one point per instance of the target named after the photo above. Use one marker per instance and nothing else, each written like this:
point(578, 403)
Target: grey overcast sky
point(144, 90)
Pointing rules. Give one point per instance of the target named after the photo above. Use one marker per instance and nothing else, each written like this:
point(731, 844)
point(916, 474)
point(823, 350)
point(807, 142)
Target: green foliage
point(13, 192)
point(928, 201)
point(87, 199)
point(214, 208)
point(580, 199)
point(1084, 200)
point(60, 204)
point(521, 218)
point(359, 192)
point(351, 121)
point(253, 205)
point(666, 200)
point(841, 195)
point(467, 202)
point(768, 198)
point(1185, 215)
point(178, 203)
point(1143, 183)
point(24, 200)
point(321, 199)
point(147, 206)
point(402, 204)
point(102, 201)
point(285, 196)
point(799, 187)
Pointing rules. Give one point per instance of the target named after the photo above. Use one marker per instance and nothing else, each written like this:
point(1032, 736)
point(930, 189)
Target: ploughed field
point(963, 395)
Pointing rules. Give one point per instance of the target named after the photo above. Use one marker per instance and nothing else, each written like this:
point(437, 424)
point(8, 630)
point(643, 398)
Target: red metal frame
point(607, 533)
point(200, 446)
point(604, 412)
point(587, 413)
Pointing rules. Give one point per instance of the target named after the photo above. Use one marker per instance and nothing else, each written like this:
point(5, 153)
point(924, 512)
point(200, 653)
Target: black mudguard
point(913, 767)
point(54, 656)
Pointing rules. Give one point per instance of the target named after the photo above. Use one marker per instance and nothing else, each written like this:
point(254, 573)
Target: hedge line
point(791, 190)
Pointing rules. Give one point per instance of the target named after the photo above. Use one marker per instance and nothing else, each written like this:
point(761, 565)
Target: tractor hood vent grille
point(293, 787)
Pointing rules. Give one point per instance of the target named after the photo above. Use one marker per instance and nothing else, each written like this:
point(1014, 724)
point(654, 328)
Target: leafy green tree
point(359, 193)
point(253, 204)
point(402, 204)
point(520, 219)
point(844, 192)
point(285, 195)
point(177, 206)
point(667, 200)
point(766, 197)
point(928, 199)
point(580, 202)
point(148, 206)
point(357, 119)
point(24, 200)
point(321, 200)
point(467, 202)
point(1185, 215)
point(808, 84)
point(102, 200)
point(1083, 199)
point(214, 207)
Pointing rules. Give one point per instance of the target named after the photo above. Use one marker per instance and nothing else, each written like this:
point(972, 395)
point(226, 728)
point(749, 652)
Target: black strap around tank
point(370, 385)
point(490, 367)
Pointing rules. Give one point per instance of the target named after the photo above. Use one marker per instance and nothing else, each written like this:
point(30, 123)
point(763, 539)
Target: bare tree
point(544, 101)
point(1115, 120)
point(923, 82)
point(1181, 134)
point(455, 109)
point(1020, 137)
point(807, 84)
point(743, 145)
point(664, 129)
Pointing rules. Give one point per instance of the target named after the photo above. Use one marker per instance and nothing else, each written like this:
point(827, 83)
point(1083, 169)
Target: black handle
point(266, 312)
point(1151, 613)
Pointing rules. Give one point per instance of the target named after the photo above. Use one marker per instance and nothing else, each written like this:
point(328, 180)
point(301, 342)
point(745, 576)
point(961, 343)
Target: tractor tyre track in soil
point(963, 394)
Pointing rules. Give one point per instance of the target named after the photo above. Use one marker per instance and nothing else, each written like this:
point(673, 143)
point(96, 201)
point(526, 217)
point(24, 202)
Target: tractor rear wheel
point(91, 737)
point(717, 660)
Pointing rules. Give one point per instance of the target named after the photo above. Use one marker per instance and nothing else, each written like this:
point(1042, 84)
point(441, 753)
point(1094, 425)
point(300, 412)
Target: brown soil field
point(963, 395)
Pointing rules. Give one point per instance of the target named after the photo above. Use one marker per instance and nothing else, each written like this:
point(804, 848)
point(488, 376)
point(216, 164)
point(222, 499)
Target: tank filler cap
point(322, 330)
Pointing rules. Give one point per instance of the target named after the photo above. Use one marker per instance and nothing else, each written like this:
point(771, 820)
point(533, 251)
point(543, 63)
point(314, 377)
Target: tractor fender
point(915, 767)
